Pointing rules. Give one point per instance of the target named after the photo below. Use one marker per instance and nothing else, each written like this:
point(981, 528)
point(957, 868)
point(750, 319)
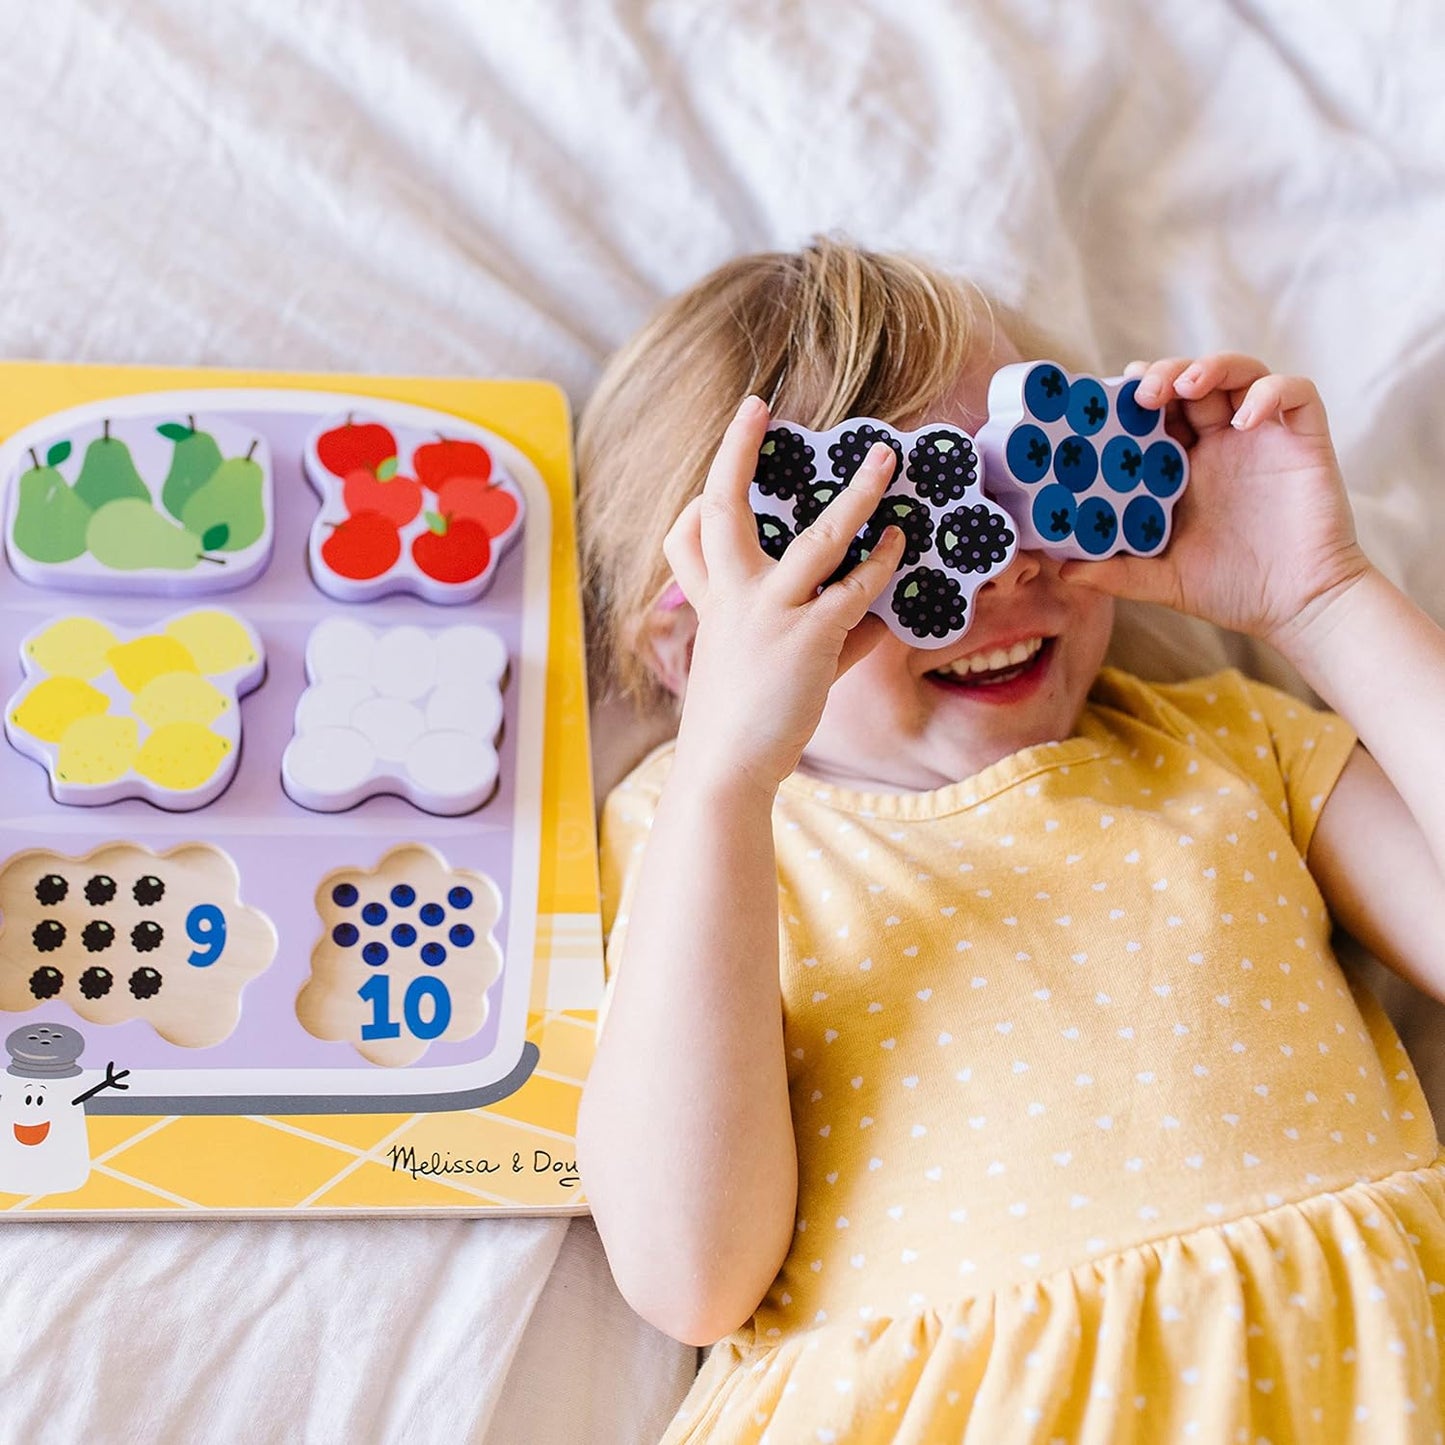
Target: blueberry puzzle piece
point(956, 538)
point(1082, 467)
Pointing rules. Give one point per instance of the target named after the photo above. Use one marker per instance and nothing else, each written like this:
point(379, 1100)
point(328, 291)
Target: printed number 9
point(206, 927)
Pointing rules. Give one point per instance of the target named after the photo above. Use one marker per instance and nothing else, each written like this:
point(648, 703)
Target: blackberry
point(774, 534)
point(858, 550)
point(46, 982)
point(97, 936)
point(973, 539)
point(148, 890)
point(929, 603)
point(852, 446)
point(145, 983)
point(48, 935)
point(146, 937)
point(99, 890)
point(943, 466)
point(809, 504)
point(51, 890)
point(911, 517)
point(785, 463)
point(96, 982)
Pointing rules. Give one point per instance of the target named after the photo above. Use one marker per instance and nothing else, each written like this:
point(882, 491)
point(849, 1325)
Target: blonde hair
point(822, 334)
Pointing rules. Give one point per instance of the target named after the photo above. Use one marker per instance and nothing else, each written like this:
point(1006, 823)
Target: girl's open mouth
point(999, 676)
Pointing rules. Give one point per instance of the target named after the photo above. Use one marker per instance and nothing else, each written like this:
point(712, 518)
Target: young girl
point(977, 1065)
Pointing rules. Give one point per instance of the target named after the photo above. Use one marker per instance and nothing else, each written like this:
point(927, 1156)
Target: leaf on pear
point(387, 470)
point(57, 454)
point(174, 431)
point(215, 537)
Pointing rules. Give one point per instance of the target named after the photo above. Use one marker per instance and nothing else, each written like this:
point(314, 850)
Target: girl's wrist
point(720, 774)
point(1299, 638)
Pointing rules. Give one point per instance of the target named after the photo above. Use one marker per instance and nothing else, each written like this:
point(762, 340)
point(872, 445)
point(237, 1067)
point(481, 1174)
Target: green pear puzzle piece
point(50, 521)
point(231, 499)
point(108, 473)
point(129, 534)
point(193, 464)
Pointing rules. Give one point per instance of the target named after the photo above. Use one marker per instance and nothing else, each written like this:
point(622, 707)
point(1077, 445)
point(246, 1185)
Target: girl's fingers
point(729, 532)
point(821, 546)
point(1156, 385)
point(1291, 399)
point(1210, 387)
point(861, 640)
point(847, 600)
point(683, 549)
point(1136, 368)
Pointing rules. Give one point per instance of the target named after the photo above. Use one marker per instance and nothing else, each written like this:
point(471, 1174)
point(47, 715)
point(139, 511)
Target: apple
point(492, 507)
point(452, 549)
point(362, 547)
point(396, 498)
point(355, 446)
point(435, 462)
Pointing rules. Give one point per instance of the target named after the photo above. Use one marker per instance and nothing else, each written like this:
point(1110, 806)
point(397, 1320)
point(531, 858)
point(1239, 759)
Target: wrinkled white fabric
point(508, 188)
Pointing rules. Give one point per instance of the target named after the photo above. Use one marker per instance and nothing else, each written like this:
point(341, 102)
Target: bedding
point(445, 187)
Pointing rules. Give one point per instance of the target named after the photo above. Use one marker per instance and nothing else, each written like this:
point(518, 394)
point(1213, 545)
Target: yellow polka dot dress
point(1095, 1141)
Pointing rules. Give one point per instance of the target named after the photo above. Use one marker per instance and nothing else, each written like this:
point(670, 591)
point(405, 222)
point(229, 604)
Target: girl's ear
point(666, 639)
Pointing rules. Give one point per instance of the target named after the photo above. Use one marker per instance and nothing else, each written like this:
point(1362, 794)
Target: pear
point(50, 521)
point(129, 534)
point(193, 464)
point(107, 474)
point(228, 513)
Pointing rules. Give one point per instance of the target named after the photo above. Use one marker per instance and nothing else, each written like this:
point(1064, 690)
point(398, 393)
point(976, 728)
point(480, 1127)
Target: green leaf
point(57, 454)
point(436, 522)
point(943, 444)
point(215, 537)
point(767, 448)
point(174, 431)
point(387, 470)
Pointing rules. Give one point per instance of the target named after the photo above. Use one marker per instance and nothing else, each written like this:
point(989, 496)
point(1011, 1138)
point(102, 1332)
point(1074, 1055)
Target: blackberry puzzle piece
point(1081, 466)
point(956, 539)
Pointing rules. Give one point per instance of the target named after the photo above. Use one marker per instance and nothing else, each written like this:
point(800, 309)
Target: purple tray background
point(286, 849)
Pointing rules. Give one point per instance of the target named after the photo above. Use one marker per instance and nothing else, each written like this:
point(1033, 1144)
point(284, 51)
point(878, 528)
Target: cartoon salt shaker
point(44, 1147)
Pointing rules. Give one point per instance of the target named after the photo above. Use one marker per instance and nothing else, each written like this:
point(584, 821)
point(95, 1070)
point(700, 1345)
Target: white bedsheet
point(507, 188)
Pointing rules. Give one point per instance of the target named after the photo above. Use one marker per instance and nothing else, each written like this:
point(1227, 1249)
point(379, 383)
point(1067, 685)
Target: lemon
point(136, 663)
point(72, 647)
point(181, 756)
point(179, 697)
point(50, 708)
point(215, 639)
point(96, 750)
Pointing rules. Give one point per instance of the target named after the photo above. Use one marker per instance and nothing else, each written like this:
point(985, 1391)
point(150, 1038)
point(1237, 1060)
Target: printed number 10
point(377, 992)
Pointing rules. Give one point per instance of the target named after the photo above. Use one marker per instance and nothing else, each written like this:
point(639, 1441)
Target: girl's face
point(908, 719)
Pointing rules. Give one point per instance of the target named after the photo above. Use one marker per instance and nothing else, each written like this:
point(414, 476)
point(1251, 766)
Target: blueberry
point(46, 982)
point(1137, 420)
point(403, 935)
point(1088, 407)
point(96, 982)
point(460, 897)
point(1076, 463)
point(51, 890)
point(374, 914)
point(344, 935)
point(1046, 392)
point(344, 895)
point(432, 914)
point(1164, 468)
point(433, 955)
point(462, 935)
point(48, 935)
point(1096, 526)
point(403, 895)
point(148, 890)
point(145, 983)
point(146, 937)
point(1123, 464)
point(97, 936)
point(1144, 525)
point(100, 890)
point(375, 954)
point(1028, 454)
point(1053, 512)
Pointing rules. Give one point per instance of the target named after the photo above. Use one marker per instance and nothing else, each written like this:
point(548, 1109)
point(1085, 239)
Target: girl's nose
point(1022, 570)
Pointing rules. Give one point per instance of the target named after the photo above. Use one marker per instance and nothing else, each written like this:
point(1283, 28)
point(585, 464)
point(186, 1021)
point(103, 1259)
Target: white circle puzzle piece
point(153, 713)
point(406, 711)
point(404, 510)
point(956, 539)
point(170, 505)
point(1085, 470)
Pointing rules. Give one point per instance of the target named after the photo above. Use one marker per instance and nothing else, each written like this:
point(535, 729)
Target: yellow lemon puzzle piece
point(97, 750)
point(50, 708)
point(181, 756)
point(137, 662)
point(215, 639)
point(179, 697)
point(72, 647)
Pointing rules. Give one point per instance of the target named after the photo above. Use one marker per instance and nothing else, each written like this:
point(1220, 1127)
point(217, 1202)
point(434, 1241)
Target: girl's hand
point(769, 643)
point(1264, 529)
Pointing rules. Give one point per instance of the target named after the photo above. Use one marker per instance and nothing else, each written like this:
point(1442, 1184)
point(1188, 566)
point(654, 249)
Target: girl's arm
point(1265, 544)
point(685, 1133)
